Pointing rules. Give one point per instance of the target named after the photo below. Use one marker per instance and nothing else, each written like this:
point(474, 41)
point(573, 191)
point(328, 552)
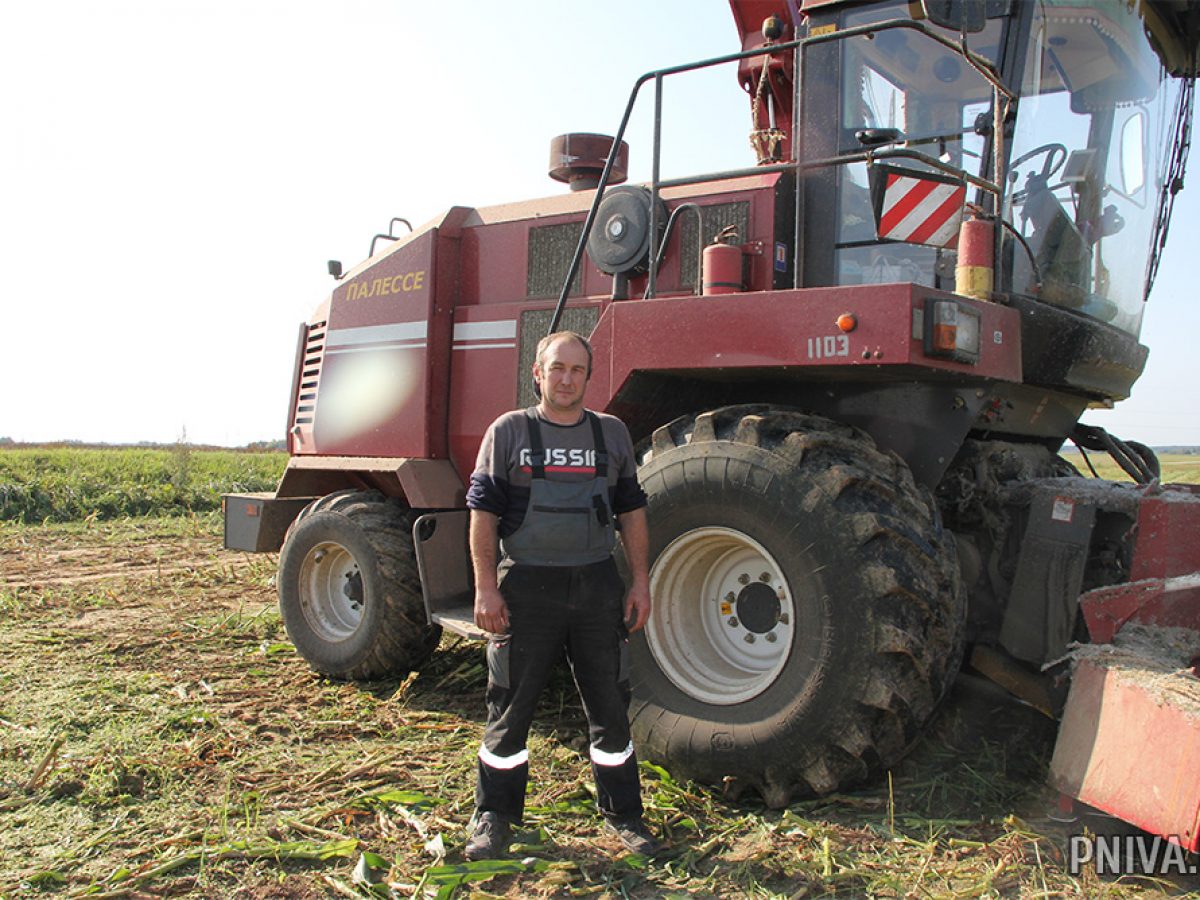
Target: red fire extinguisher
point(722, 264)
point(976, 269)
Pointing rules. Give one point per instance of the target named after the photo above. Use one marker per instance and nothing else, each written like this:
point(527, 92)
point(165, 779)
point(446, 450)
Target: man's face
point(563, 375)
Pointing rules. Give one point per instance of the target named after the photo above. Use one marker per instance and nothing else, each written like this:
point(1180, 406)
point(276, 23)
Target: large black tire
point(349, 590)
point(808, 612)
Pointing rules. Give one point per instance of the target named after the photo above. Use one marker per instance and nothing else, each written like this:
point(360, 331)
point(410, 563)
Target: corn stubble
point(159, 735)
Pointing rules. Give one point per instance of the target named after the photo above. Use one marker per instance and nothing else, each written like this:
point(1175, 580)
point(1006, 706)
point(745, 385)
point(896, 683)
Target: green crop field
point(1177, 468)
point(69, 484)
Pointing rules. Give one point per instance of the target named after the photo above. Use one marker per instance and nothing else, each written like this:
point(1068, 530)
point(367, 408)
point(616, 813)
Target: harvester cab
point(933, 261)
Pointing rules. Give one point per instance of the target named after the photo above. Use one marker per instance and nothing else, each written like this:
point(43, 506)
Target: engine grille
point(713, 218)
point(551, 249)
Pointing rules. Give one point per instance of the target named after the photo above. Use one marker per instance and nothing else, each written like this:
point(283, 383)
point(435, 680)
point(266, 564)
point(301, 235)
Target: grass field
point(159, 736)
point(1177, 468)
point(68, 484)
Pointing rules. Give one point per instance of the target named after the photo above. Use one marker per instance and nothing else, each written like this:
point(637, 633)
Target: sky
point(174, 176)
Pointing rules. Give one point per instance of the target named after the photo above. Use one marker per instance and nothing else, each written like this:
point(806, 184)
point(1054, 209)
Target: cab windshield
point(1091, 145)
point(1086, 154)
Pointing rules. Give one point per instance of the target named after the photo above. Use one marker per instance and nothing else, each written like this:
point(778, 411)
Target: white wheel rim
point(331, 591)
point(723, 617)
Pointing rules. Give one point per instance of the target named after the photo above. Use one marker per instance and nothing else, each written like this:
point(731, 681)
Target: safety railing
point(797, 47)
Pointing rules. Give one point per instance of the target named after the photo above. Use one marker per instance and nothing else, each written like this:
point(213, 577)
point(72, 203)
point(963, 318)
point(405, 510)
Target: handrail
point(612, 155)
point(981, 64)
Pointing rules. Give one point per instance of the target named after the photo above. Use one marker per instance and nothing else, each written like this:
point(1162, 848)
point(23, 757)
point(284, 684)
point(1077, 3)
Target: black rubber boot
point(635, 836)
point(490, 839)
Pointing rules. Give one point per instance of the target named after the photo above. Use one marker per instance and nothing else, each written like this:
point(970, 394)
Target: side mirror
point(957, 15)
point(335, 268)
point(877, 137)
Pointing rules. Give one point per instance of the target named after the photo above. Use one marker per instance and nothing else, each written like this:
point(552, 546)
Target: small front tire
point(349, 591)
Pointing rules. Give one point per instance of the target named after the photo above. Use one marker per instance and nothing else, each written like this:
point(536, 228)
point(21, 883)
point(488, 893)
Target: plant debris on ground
point(159, 736)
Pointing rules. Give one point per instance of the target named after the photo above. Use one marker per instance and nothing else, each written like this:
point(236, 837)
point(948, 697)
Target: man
point(548, 483)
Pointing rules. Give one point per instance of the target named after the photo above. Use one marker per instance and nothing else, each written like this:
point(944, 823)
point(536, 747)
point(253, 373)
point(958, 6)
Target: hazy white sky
point(174, 175)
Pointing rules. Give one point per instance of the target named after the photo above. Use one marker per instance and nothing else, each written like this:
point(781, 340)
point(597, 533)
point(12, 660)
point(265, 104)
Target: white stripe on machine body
point(497, 335)
point(399, 335)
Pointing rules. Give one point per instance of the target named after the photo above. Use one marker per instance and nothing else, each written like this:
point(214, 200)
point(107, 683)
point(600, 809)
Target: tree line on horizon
point(252, 447)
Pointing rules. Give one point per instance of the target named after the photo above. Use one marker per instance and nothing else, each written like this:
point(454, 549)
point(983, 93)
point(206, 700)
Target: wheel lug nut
point(743, 578)
point(749, 639)
point(772, 637)
point(733, 622)
point(318, 556)
point(784, 619)
point(731, 596)
point(765, 576)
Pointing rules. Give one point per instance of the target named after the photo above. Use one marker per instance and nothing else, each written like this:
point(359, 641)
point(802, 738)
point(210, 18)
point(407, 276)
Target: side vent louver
point(310, 374)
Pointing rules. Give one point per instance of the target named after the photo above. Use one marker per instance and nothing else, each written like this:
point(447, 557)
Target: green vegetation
point(68, 484)
point(1177, 468)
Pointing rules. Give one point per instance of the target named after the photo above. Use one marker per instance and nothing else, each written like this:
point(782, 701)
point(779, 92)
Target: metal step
point(461, 620)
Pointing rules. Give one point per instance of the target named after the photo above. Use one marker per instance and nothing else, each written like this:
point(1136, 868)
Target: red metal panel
point(375, 380)
point(791, 329)
point(1131, 751)
point(483, 380)
point(446, 296)
point(748, 15)
point(1168, 533)
point(1164, 585)
point(431, 483)
point(493, 237)
point(757, 244)
point(1154, 601)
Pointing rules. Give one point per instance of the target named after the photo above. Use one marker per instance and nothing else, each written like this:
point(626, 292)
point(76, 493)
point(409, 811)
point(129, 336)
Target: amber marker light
point(951, 330)
point(847, 322)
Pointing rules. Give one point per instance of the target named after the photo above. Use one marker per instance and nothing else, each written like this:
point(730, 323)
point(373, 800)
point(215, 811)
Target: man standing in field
point(551, 483)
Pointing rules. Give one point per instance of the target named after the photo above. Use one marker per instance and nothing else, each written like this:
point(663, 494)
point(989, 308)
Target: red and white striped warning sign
point(921, 210)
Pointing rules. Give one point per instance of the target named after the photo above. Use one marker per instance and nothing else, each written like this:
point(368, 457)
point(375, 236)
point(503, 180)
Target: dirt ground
point(160, 737)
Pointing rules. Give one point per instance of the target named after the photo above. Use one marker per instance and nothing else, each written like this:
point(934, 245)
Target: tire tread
point(916, 605)
point(404, 640)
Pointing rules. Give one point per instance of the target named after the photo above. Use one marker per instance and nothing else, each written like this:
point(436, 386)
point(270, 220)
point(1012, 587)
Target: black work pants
point(578, 610)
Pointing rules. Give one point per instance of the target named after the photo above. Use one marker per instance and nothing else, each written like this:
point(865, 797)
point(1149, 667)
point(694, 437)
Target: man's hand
point(637, 605)
point(635, 536)
point(491, 612)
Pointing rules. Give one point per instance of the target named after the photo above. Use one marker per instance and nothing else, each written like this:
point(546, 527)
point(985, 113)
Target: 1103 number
point(830, 345)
